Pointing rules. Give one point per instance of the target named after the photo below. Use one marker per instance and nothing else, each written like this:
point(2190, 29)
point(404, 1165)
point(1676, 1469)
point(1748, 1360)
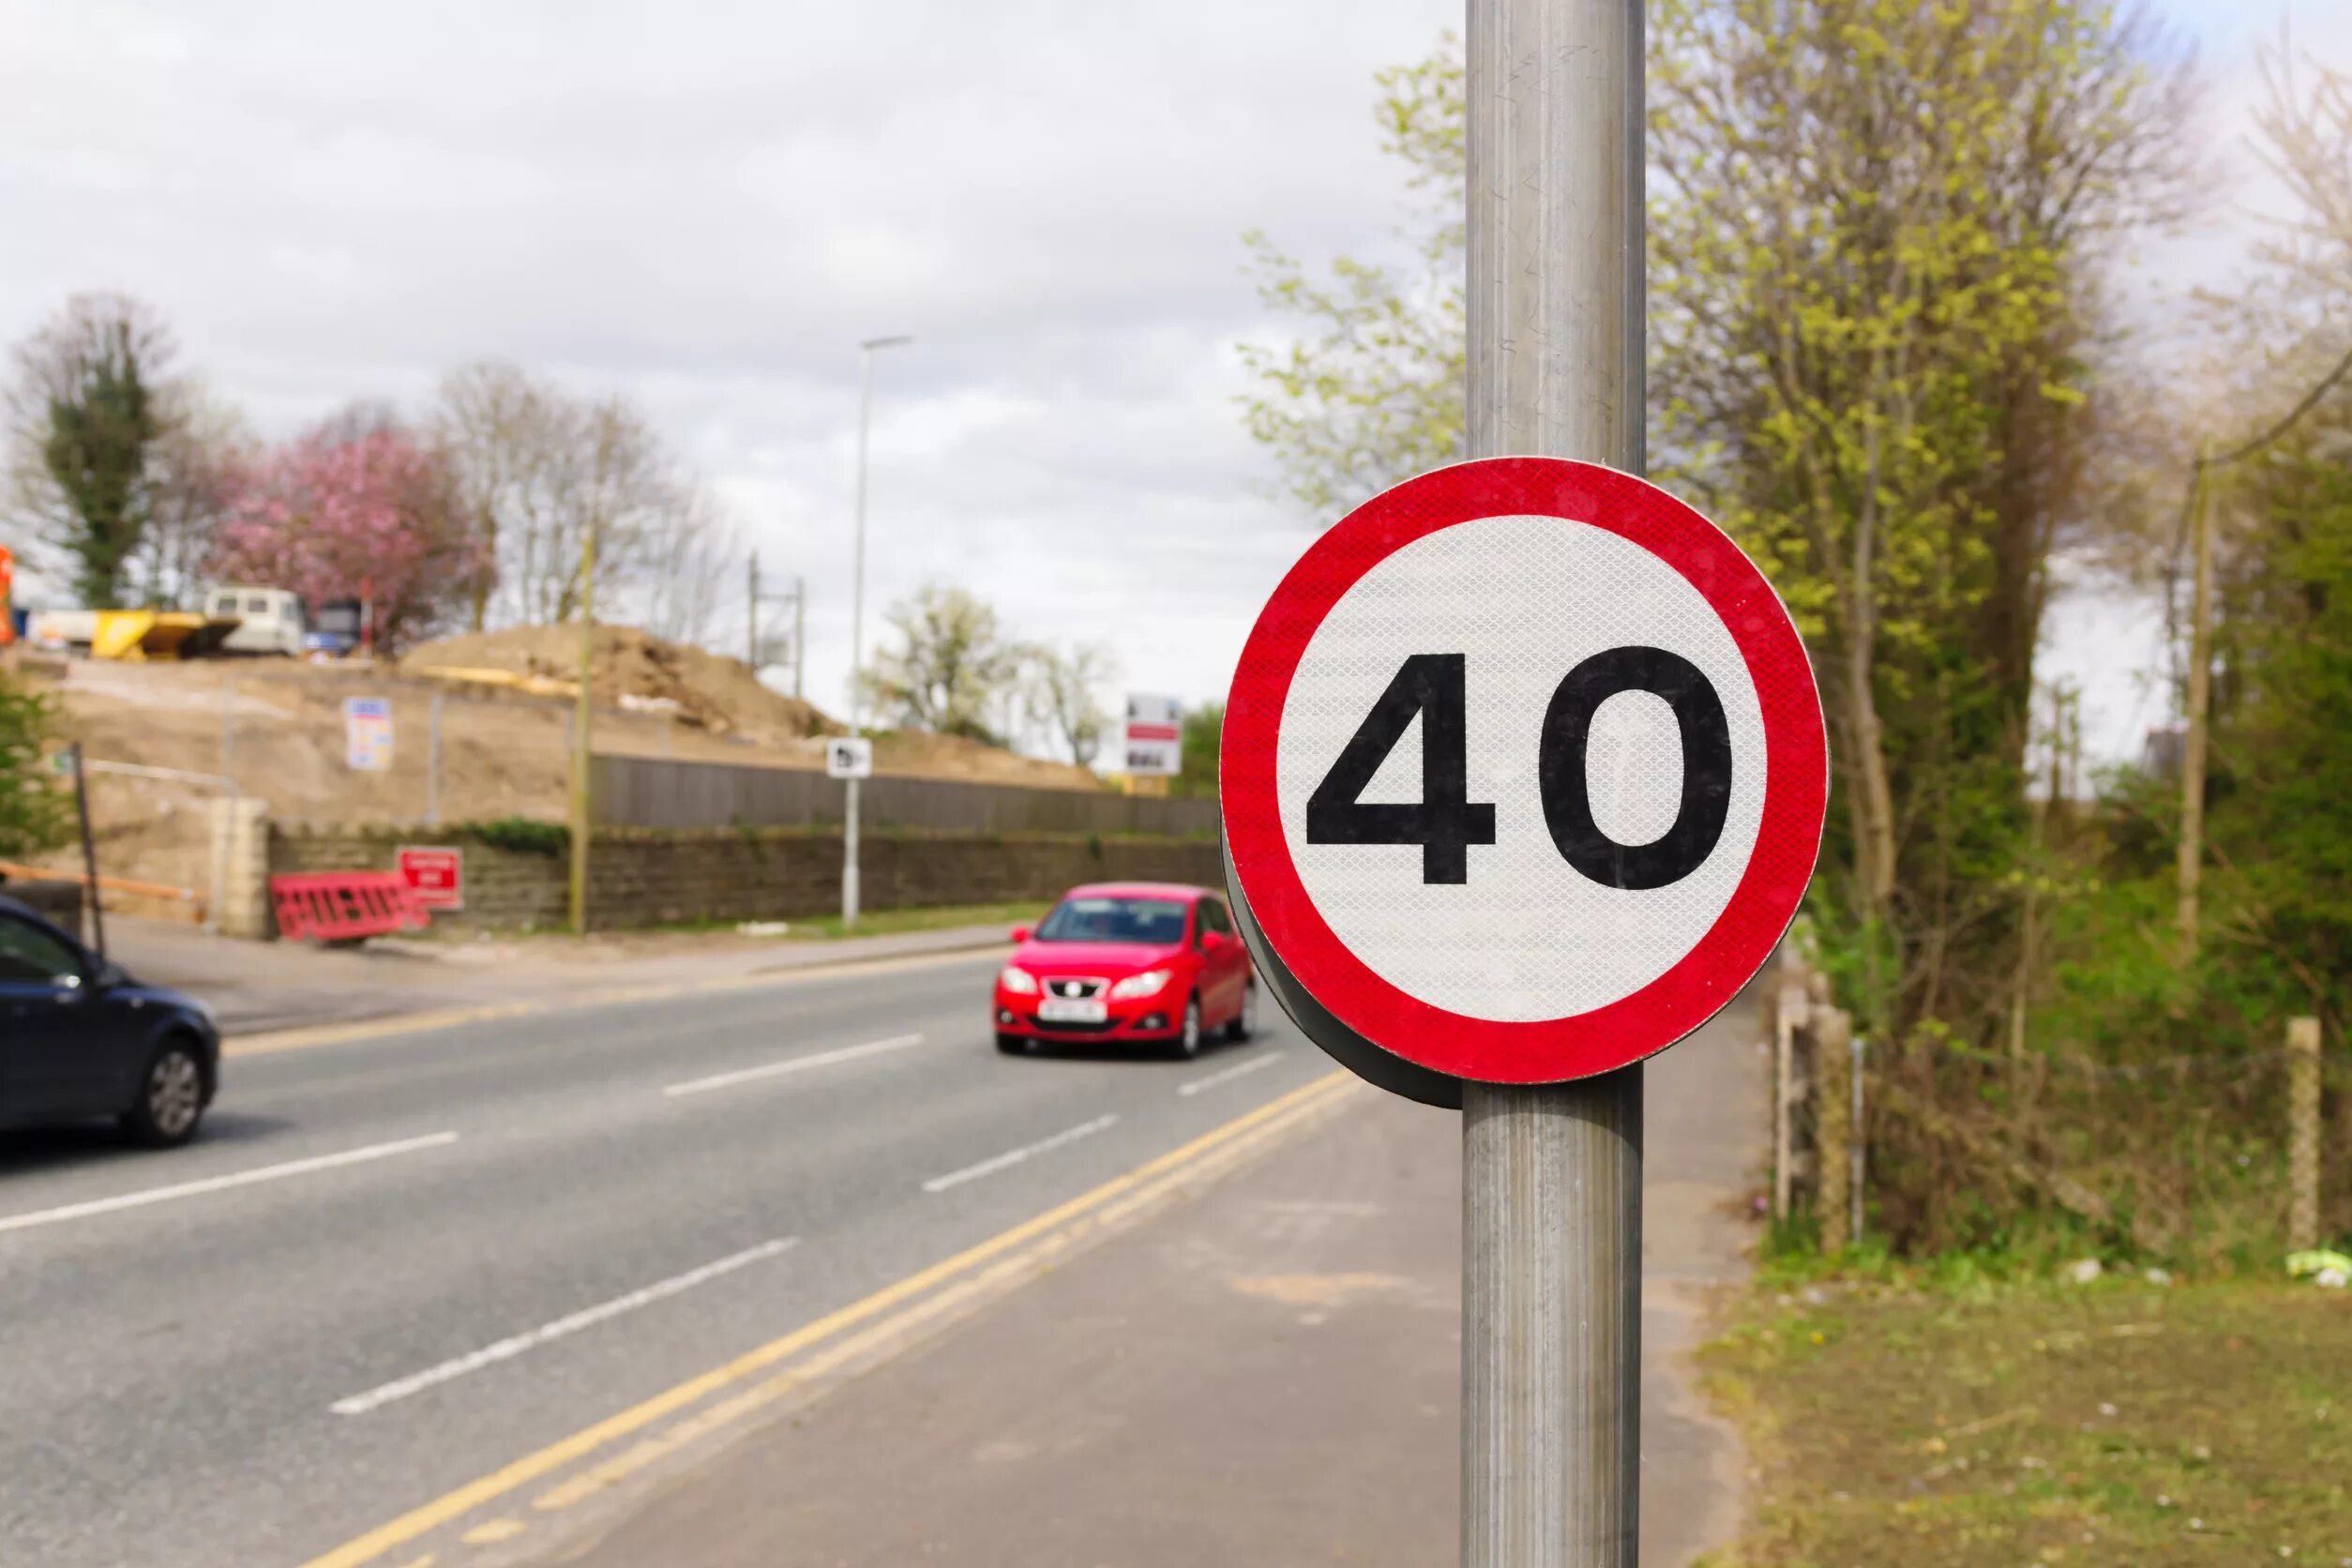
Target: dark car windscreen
point(1159, 921)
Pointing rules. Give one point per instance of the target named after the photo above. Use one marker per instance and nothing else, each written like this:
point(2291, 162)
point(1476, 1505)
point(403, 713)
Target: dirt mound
point(631, 668)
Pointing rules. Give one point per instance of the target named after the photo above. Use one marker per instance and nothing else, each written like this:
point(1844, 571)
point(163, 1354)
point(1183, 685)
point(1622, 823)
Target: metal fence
point(652, 791)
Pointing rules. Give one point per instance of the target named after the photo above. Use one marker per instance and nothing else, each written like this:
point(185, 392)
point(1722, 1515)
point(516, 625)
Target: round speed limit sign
point(1524, 774)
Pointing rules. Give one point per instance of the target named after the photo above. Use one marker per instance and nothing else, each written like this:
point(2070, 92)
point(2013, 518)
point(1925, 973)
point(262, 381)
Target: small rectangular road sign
point(367, 734)
point(848, 757)
point(437, 874)
point(1154, 735)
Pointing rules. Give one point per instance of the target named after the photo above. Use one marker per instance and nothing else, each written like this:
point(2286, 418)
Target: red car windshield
point(1154, 922)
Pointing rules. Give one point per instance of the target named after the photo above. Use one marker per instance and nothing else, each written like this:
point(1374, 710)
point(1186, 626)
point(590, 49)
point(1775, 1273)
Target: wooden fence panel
point(658, 793)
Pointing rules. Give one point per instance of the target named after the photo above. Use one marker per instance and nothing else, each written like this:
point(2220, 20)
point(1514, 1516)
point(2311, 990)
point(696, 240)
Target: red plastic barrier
point(344, 906)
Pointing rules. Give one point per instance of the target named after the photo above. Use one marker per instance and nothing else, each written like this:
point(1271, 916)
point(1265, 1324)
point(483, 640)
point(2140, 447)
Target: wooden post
point(432, 766)
point(2302, 1134)
point(1833, 1124)
point(2191, 857)
point(1788, 1017)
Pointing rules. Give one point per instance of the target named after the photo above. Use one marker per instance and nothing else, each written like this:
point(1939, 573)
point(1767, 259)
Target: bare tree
point(689, 572)
point(538, 470)
point(495, 426)
point(1062, 697)
point(2304, 130)
point(193, 479)
point(953, 668)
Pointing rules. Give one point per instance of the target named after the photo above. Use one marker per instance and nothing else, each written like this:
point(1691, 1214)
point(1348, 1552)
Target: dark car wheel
point(1244, 1023)
point(1013, 1045)
point(1187, 1043)
point(171, 1098)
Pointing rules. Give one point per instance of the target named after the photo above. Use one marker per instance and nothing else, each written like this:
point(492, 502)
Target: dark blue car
point(81, 1039)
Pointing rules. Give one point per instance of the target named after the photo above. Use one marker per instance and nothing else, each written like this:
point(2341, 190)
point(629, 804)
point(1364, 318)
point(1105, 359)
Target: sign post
point(1523, 779)
point(1551, 1176)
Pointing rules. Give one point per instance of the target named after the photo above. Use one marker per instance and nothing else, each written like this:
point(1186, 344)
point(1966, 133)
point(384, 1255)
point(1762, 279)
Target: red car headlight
point(1019, 981)
point(1150, 983)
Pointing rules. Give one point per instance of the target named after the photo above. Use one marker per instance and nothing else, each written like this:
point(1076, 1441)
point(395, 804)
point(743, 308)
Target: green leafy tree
point(1878, 236)
point(1880, 375)
point(2282, 780)
point(1877, 376)
point(34, 815)
point(88, 414)
point(1203, 737)
point(1368, 391)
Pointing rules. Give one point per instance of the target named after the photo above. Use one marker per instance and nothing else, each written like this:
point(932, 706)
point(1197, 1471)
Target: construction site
point(482, 727)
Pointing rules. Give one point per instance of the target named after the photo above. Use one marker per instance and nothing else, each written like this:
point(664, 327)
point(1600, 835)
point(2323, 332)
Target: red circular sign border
point(1795, 790)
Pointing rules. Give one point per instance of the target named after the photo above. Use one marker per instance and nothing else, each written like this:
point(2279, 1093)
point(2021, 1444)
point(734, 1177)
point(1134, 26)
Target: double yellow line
point(888, 1317)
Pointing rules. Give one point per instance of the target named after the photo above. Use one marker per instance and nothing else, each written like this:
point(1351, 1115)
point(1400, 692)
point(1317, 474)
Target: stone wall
point(54, 899)
point(642, 877)
point(240, 858)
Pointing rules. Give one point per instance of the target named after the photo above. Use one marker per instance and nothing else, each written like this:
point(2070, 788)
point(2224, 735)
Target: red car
point(1127, 963)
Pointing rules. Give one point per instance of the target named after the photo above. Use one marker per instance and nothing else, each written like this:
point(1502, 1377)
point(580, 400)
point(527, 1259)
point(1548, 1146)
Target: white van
point(269, 620)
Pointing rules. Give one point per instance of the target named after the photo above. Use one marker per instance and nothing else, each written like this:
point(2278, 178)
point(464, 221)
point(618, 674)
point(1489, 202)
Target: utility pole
point(751, 618)
point(2190, 868)
point(2200, 696)
point(1551, 1174)
point(753, 654)
point(581, 714)
point(857, 625)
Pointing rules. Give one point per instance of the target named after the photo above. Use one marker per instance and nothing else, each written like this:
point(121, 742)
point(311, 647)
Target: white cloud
point(706, 206)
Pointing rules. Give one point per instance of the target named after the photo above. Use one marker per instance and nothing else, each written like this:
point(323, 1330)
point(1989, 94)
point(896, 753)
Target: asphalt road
point(396, 1265)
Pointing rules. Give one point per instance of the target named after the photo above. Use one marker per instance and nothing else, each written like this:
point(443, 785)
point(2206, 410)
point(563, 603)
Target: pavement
point(788, 1266)
point(1269, 1374)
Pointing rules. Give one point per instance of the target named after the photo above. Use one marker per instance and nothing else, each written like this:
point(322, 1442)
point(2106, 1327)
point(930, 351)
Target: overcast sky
point(706, 206)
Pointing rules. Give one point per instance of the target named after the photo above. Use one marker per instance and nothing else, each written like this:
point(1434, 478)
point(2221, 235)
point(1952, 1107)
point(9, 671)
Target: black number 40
point(1446, 822)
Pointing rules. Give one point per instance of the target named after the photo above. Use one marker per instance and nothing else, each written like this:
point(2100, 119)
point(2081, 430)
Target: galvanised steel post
point(1551, 1242)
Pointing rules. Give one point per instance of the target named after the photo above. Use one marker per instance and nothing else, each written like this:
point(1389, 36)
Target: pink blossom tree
point(349, 513)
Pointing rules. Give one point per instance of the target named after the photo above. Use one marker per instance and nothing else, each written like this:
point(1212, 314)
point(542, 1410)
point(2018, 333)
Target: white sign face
point(1551, 596)
point(1154, 735)
point(367, 734)
point(848, 757)
point(1523, 773)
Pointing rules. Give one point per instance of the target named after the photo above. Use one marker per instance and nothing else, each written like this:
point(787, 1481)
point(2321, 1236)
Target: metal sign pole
point(1551, 1241)
point(857, 623)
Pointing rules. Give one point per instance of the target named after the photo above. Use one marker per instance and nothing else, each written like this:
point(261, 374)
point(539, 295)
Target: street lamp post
point(857, 624)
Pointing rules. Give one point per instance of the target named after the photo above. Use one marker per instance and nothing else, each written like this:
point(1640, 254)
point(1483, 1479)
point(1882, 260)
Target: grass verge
point(881, 923)
point(1998, 1425)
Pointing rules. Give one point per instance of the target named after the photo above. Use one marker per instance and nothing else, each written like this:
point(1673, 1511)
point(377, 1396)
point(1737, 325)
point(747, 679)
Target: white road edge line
point(794, 1064)
point(375, 1398)
point(1014, 1157)
point(221, 1183)
point(1229, 1073)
